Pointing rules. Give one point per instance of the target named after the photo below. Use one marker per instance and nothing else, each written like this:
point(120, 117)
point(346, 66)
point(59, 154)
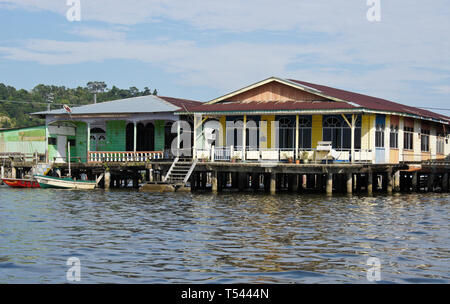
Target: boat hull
point(64, 183)
point(21, 183)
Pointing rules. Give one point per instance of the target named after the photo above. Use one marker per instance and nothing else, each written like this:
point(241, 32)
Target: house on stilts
point(274, 135)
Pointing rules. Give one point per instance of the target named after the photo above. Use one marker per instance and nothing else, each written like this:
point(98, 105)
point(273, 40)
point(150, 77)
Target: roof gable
point(290, 91)
point(275, 91)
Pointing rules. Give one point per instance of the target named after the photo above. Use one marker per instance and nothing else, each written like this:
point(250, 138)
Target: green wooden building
point(132, 129)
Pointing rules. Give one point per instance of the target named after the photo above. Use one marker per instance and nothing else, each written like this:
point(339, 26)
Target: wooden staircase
point(180, 172)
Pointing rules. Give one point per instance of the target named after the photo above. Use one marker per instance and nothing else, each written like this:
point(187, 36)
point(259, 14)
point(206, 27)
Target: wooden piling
point(273, 183)
point(349, 183)
point(107, 179)
point(214, 186)
point(329, 184)
point(370, 183)
point(445, 182)
point(414, 182)
point(396, 181)
point(430, 182)
point(389, 182)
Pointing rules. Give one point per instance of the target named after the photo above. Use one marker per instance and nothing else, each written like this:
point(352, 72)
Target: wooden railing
point(114, 157)
point(22, 157)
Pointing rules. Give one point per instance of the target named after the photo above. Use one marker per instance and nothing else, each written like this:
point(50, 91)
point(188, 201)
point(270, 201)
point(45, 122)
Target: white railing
point(113, 157)
point(285, 155)
point(222, 154)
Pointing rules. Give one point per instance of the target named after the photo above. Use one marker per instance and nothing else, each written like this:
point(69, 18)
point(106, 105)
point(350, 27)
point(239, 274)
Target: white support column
point(296, 136)
point(387, 134)
point(46, 142)
point(178, 138)
point(433, 141)
point(401, 126)
point(417, 141)
point(353, 138)
point(134, 136)
point(88, 141)
point(197, 125)
point(194, 144)
point(244, 138)
point(213, 154)
point(372, 127)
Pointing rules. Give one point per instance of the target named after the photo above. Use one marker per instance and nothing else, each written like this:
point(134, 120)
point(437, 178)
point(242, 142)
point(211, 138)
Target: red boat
point(21, 183)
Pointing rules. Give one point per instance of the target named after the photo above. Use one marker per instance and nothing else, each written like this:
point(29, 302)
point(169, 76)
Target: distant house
point(27, 141)
point(286, 118)
point(136, 128)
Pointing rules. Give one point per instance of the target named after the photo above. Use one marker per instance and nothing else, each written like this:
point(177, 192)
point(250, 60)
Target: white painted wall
point(416, 140)
point(387, 135)
point(433, 142)
point(401, 126)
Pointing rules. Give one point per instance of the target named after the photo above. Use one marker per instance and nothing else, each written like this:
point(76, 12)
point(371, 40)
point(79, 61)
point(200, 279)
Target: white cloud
point(343, 49)
point(98, 33)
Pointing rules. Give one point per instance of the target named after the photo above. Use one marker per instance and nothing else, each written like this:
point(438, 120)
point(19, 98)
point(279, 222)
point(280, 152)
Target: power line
point(36, 102)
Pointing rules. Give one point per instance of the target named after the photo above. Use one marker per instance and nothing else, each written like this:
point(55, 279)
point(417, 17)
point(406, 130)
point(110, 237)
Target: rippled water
point(132, 237)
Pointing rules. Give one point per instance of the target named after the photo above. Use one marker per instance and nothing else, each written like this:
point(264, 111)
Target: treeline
point(17, 104)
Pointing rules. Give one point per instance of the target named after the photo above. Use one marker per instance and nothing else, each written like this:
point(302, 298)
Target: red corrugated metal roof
point(372, 103)
point(351, 101)
point(270, 106)
point(181, 103)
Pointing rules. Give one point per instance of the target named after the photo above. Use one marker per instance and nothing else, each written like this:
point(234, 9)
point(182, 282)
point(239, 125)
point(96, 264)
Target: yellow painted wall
point(408, 155)
point(317, 133)
point(368, 131)
point(223, 125)
point(393, 156)
point(269, 130)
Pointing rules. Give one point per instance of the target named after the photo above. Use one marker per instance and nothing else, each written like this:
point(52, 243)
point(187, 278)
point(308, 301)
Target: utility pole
point(50, 98)
point(96, 87)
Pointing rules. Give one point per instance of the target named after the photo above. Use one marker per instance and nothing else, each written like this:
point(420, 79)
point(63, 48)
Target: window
point(425, 140)
point(237, 132)
point(393, 139)
point(286, 133)
point(408, 143)
point(304, 128)
point(72, 142)
point(52, 141)
point(252, 135)
point(379, 136)
point(336, 130)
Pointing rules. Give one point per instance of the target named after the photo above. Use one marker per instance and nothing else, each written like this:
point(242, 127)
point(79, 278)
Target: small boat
point(21, 183)
point(64, 183)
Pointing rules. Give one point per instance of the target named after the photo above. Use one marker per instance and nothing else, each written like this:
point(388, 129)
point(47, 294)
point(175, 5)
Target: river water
point(133, 237)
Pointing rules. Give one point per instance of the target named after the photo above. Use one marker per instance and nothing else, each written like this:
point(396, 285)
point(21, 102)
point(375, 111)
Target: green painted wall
point(81, 141)
point(26, 140)
point(116, 135)
point(159, 135)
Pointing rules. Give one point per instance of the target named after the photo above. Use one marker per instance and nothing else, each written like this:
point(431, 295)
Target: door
point(61, 146)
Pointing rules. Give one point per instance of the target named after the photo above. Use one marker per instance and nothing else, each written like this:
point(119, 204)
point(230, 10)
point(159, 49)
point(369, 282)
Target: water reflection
point(124, 236)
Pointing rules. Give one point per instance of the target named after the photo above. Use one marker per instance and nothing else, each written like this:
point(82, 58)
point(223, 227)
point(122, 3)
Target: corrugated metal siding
point(27, 140)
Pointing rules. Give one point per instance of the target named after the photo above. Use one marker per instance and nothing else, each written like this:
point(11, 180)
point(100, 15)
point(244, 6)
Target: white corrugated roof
point(141, 104)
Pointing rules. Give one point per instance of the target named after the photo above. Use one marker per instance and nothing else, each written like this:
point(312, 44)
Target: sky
point(201, 50)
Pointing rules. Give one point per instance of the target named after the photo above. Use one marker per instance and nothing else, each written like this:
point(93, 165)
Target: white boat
point(64, 183)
